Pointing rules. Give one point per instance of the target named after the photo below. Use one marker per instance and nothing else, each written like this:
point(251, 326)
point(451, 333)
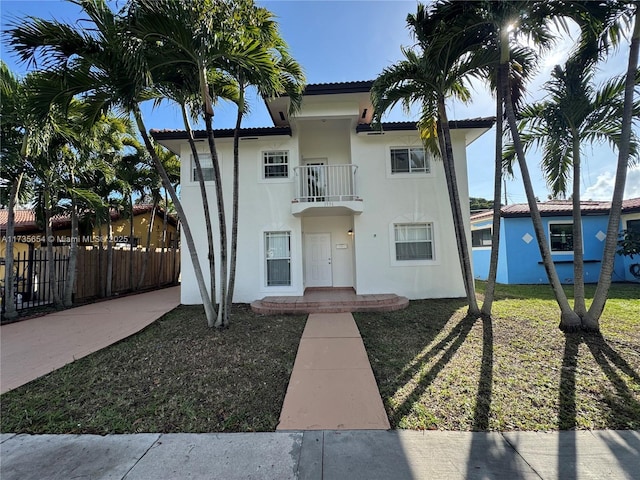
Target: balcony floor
point(329, 300)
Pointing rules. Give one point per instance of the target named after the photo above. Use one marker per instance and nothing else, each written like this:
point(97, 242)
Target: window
point(409, 160)
point(207, 167)
point(481, 238)
point(561, 237)
point(633, 226)
point(275, 164)
point(278, 256)
point(414, 241)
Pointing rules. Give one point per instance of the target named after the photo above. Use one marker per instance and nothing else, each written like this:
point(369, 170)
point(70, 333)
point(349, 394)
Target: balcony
point(326, 190)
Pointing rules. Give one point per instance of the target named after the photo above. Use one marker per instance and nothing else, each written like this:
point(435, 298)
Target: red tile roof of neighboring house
point(560, 207)
point(25, 220)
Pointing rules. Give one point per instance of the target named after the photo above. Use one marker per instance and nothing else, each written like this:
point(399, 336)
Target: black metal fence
point(32, 277)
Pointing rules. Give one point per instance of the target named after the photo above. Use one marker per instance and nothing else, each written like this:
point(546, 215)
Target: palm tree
point(287, 78)
point(574, 113)
point(436, 71)
point(206, 37)
point(591, 320)
point(485, 24)
point(13, 150)
point(108, 65)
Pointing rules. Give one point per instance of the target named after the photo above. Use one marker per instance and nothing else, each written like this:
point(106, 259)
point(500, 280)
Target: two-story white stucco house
point(325, 201)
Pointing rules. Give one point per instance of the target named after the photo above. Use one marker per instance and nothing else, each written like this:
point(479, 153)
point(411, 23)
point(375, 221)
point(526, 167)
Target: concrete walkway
point(333, 455)
point(32, 348)
point(332, 386)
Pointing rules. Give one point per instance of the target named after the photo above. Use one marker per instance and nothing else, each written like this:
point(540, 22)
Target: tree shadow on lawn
point(399, 345)
point(621, 401)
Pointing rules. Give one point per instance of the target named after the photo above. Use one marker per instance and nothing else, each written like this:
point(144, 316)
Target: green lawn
point(435, 369)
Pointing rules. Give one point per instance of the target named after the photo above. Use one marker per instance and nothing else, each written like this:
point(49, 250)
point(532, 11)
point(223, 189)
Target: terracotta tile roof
point(561, 207)
point(25, 220)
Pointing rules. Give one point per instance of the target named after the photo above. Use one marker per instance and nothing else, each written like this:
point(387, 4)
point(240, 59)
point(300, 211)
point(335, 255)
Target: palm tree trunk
point(569, 320)
point(489, 293)
point(131, 241)
point(591, 321)
point(578, 252)
point(53, 268)
point(454, 199)
point(147, 255)
point(10, 311)
point(223, 313)
point(73, 256)
point(236, 184)
point(109, 281)
point(164, 239)
point(202, 287)
point(205, 202)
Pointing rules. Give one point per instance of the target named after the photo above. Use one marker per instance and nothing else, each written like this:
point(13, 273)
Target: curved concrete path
point(332, 386)
point(32, 348)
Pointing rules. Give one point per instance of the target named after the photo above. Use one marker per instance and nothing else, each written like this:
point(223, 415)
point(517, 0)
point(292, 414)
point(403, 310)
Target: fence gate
point(35, 277)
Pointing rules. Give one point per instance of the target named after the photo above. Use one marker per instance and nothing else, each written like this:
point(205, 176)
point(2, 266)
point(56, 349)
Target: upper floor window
point(414, 241)
point(561, 237)
point(275, 164)
point(481, 238)
point(409, 160)
point(207, 167)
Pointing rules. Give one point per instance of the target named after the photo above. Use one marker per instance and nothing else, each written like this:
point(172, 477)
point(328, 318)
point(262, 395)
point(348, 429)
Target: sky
point(350, 40)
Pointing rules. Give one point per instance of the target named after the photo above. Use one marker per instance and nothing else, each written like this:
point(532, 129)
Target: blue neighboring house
point(519, 260)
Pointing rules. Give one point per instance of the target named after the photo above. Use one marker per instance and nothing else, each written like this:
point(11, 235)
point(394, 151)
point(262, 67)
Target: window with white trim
point(481, 237)
point(561, 237)
point(277, 248)
point(207, 167)
point(409, 160)
point(275, 164)
point(413, 241)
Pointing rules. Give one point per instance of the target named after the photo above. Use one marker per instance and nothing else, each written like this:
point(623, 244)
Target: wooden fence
point(33, 270)
point(162, 269)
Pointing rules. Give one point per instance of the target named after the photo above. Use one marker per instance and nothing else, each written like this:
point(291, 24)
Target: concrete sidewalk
point(32, 348)
point(353, 455)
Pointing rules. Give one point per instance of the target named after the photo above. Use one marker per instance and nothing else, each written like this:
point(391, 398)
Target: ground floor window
point(278, 258)
point(633, 226)
point(414, 241)
point(561, 237)
point(481, 238)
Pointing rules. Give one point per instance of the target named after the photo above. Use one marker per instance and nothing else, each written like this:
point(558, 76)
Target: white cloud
point(602, 189)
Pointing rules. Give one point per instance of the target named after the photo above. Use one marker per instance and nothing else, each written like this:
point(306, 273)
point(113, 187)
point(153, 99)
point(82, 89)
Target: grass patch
point(437, 369)
point(177, 375)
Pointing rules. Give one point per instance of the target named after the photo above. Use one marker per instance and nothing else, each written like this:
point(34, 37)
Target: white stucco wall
point(390, 199)
point(368, 263)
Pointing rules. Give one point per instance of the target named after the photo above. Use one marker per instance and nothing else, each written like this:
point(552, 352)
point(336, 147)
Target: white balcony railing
point(326, 183)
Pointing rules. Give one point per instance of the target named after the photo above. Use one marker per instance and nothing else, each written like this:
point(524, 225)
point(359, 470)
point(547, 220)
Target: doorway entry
point(317, 257)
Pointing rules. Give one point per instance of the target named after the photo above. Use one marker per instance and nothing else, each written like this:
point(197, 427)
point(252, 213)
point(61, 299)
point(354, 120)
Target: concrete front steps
point(329, 300)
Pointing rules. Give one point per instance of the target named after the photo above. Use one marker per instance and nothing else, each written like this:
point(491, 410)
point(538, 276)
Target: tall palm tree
point(286, 78)
point(485, 24)
point(206, 36)
point(574, 113)
point(14, 132)
point(437, 69)
point(107, 64)
point(591, 320)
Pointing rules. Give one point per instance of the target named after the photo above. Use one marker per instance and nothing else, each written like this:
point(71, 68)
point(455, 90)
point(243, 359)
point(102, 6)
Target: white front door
point(317, 247)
